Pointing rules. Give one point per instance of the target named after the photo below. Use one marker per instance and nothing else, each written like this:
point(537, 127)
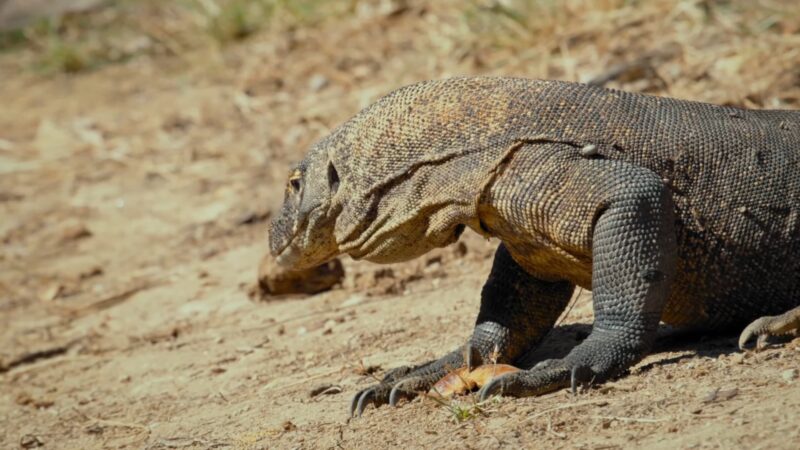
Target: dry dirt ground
point(134, 199)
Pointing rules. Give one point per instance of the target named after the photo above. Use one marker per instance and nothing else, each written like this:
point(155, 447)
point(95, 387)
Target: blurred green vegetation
point(123, 29)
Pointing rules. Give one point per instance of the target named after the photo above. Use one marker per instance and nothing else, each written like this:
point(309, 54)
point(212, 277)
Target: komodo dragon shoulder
point(668, 210)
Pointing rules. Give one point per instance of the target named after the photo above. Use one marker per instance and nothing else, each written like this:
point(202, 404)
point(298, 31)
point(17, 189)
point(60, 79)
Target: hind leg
point(771, 326)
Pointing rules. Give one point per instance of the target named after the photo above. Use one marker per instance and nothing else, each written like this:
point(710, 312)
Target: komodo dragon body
point(667, 210)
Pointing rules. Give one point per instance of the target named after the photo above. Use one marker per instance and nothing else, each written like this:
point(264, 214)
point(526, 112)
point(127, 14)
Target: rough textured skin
point(668, 210)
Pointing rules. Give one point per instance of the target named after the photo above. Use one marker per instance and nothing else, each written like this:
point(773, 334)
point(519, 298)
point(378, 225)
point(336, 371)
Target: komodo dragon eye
point(333, 178)
point(295, 181)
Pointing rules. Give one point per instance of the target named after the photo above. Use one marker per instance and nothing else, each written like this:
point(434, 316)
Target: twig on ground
point(571, 405)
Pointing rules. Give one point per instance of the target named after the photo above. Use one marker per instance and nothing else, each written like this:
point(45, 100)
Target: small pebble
point(589, 150)
point(789, 375)
point(318, 82)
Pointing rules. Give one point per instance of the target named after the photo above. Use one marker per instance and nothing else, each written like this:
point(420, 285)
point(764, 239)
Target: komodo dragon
point(667, 210)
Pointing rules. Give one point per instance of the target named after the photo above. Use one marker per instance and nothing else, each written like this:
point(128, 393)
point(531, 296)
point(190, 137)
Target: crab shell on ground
point(463, 380)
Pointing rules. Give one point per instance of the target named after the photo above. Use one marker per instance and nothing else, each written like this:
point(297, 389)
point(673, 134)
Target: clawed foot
point(771, 326)
point(545, 377)
point(458, 381)
point(380, 393)
point(408, 382)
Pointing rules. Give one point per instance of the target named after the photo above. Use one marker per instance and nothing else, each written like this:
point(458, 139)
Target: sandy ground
point(134, 201)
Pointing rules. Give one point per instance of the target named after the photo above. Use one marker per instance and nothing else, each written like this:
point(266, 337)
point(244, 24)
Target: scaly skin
point(668, 210)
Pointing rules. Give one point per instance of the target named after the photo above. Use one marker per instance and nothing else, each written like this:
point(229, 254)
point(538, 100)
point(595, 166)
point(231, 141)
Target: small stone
point(728, 394)
point(318, 82)
point(352, 301)
point(51, 292)
point(789, 375)
point(93, 271)
point(30, 441)
point(74, 232)
point(737, 358)
point(24, 399)
point(94, 428)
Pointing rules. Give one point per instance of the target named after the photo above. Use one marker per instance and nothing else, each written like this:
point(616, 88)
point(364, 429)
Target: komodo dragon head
point(397, 180)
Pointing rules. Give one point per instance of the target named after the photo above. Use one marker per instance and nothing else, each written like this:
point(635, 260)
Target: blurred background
point(144, 145)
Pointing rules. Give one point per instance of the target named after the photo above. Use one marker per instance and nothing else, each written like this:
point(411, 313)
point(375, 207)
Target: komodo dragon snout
point(301, 236)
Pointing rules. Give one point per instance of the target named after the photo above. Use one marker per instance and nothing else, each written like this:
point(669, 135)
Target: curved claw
point(580, 374)
point(493, 387)
point(354, 403)
point(398, 390)
point(365, 398)
point(750, 331)
point(468, 356)
point(573, 380)
point(760, 329)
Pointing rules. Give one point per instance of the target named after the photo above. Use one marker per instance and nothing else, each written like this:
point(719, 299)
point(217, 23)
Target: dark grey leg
point(517, 310)
point(634, 257)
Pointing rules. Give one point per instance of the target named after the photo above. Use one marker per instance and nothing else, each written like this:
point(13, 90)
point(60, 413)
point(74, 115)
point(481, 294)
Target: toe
point(400, 390)
point(495, 386)
point(756, 328)
point(367, 396)
point(582, 375)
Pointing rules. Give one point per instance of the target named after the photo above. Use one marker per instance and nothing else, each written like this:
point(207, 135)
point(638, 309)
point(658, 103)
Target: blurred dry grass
point(669, 46)
point(117, 30)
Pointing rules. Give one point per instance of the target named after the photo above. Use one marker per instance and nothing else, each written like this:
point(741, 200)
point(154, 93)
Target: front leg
point(633, 265)
point(517, 310)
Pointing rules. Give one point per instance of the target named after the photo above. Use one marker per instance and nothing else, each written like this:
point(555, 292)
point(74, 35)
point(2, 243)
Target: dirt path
point(133, 207)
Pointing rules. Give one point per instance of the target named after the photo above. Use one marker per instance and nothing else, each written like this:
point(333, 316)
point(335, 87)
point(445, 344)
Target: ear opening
point(333, 178)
